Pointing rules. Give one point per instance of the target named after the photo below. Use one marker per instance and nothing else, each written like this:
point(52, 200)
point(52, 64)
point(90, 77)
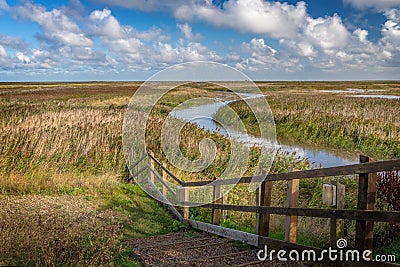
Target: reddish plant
point(388, 192)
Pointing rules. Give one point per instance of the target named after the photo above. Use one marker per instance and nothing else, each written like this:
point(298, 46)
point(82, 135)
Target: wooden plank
point(340, 204)
point(292, 201)
point(221, 242)
point(165, 169)
point(175, 212)
point(186, 208)
point(173, 262)
point(258, 214)
point(248, 238)
point(172, 245)
point(225, 213)
point(337, 225)
point(182, 194)
point(137, 173)
point(164, 179)
point(265, 200)
point(260, 241)
point(170, 207)
point(371, 201)
point(216, 213)
point(308, 174)
point(138, 161)
point(159, 178)
point(281, 244)
point(360, 238)
point(152, 173)
point(376, 215)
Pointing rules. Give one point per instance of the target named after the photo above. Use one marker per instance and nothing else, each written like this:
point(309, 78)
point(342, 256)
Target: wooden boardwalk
point(204, 249)
point(194, 248)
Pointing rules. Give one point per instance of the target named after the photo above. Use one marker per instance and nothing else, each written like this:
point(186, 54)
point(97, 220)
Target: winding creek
point(320, 157)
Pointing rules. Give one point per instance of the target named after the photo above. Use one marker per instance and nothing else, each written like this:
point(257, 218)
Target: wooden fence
point(365, 215)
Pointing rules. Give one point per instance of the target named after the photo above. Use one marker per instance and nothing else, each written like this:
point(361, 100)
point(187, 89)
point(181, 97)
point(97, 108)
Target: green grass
point(62, 147)
point(144, 216)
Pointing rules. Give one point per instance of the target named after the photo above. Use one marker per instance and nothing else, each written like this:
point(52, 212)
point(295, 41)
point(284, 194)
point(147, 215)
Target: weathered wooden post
point(340, 205)
point(292, 201)
point(333, 196)
point(164, 178)
point(264, 199)
point(225, 213)
point(216, 213)
point(152, 168)
point(182, 195)
point(366, 201)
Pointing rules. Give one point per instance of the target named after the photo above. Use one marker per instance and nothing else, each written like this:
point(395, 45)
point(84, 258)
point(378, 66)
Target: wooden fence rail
point(365, 215)
point(361, 168)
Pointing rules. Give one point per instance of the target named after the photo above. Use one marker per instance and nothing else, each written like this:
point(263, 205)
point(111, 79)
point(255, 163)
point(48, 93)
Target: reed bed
point(365, 125)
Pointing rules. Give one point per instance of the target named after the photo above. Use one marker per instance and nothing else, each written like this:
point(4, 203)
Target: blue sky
point(132, 39)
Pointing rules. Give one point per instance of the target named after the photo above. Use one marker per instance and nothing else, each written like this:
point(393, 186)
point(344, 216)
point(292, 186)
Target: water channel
point(202, 115)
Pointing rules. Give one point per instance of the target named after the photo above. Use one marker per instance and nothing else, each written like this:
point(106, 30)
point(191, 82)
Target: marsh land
point(62, 169)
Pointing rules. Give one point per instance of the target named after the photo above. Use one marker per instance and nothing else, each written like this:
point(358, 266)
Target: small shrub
point(388, 190)
point(388, 193)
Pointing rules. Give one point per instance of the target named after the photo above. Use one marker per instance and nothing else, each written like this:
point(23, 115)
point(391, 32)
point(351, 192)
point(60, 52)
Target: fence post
point(164, 178)
point(216, 213)
point(366, 201)
point(225, 213)
point(151, 173)
point(258, 214)
point(265, 192)
point(292, 201)
point(186, 199)
point(182, 195)
point(337, 225)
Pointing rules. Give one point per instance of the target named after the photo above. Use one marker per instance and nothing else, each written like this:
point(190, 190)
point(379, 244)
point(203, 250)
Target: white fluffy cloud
point(3, 5)
point(3, 52)
point(187, 31)
point(166, 53)
point(274, 19)
point(144, 49)
point(390, 42)
point(375, 4)
point(104, 24)
point(23, 58)
point(328, 33)
point(56, 25)
point(152, 5)
point(72, 41)
point(325, 44)
point(13, 42)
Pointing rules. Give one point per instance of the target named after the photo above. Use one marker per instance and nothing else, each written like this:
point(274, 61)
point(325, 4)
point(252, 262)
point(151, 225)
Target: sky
point(88, 40)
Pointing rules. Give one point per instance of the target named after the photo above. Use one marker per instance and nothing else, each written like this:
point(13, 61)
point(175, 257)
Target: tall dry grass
point(367, 125)
point(61, 164)
point(47, 143)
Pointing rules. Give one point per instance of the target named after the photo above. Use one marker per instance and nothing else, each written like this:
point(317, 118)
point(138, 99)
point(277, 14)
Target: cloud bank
point(71, 40)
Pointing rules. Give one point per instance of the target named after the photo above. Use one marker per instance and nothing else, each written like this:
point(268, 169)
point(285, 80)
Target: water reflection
point(320, 157)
